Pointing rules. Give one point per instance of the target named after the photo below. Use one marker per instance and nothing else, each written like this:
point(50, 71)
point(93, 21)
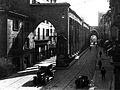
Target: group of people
point(102, 69)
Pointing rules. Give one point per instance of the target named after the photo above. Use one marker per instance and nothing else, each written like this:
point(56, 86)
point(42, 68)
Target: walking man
point(103, 72)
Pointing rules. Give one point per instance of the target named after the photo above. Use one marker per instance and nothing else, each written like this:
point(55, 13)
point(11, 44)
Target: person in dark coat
point(103, 72)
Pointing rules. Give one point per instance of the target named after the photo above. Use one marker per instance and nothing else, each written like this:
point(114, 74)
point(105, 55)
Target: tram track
point(73, 68)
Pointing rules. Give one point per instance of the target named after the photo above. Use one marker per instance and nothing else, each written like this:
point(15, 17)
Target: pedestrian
point(100, 53)
point(100, 64)
point(103, 72)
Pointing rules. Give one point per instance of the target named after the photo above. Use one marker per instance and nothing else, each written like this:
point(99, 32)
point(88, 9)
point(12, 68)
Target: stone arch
point(57, 14)
point(95, 32)
point(53, 21)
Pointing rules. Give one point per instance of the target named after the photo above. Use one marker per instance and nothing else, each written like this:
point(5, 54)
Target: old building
point(105, 25)
point(31, 32)
point(115, 30)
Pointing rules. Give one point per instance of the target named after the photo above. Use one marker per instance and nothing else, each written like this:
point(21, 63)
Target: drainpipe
point(68, 33)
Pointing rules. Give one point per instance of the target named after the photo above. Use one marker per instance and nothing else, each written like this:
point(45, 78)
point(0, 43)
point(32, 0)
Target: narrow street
point(65, 79)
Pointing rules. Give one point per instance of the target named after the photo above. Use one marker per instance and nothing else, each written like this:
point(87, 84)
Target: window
point(47, 32)
point(43, 33)
point(27, 42)
point(51, 32)
point(38, 33)
point(16, 25)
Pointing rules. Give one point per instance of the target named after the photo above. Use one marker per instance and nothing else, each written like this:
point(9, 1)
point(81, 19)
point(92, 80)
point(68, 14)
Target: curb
point(74, 60)
point(80, 55)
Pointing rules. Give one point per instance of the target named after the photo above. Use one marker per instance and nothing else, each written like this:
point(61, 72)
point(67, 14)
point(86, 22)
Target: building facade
point(115, 18)
point(115, 29)
point(105, 25)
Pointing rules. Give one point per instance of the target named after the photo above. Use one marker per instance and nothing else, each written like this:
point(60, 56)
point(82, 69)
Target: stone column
point(62, 56)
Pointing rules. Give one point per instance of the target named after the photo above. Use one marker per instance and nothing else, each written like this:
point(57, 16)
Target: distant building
point(115, 31)
point(100, 14)
point(104, 24)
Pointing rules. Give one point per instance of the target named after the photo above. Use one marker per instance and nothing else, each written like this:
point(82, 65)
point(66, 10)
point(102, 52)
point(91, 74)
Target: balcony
point(42, 37)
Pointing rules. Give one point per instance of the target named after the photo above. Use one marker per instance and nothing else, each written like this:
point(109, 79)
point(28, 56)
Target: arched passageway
point(93, 40)
point(94, 36)
point(57, 15)
point(24, 21)
point(94, 32)
point(44, 40)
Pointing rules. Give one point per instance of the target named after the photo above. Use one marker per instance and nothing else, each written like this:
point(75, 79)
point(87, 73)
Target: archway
point(93, 40)
point(57, 14)
point(95, 35)
point(95, 32)
point(43, 39)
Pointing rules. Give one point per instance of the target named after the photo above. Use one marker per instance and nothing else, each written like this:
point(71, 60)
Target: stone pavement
point(108, 83)
point(20, 79)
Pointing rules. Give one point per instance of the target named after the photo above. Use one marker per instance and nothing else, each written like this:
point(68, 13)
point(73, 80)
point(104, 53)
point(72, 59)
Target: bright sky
point(88, 9)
